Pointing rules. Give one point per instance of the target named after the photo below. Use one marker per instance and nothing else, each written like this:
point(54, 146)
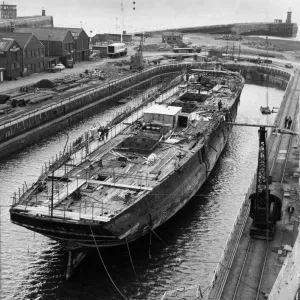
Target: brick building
point(33, 52)
point(82, 43)
point(59, 42)
point(11, 57)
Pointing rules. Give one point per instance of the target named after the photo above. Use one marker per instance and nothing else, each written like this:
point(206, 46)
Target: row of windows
point(15, 65)
point(30, 67)
point(35, 52)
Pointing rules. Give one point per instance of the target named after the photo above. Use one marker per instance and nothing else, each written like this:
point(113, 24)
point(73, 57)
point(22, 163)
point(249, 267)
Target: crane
point(265, 208)
point(265, 202)
point(137, 60)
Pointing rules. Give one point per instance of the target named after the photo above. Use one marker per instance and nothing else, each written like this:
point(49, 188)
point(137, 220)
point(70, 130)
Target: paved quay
point(255, 269)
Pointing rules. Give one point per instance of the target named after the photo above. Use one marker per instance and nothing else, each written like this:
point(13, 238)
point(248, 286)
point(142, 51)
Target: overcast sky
point(104, 15)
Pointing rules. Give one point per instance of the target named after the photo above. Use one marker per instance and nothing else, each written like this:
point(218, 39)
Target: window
point(25, 68)
point(41, 64)
point(29, 67)
point(38, 52)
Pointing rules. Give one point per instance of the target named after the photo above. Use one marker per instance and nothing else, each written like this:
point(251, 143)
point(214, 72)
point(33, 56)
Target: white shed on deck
point(162, 115)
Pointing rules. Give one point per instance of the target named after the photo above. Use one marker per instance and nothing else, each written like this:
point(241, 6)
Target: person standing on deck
point(286, 121)
point(220, 105)
point(289, 122)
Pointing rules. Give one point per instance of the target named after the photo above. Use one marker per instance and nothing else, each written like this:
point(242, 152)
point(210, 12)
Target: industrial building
point(172, 37)
point(59, 43)
point(9, 24)
point(115, 37)
point(82, 43)
point(33, 52)
point(11, 58)
point(8, 11)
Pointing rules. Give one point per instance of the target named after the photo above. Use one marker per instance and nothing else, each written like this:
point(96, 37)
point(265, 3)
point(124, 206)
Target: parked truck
point(116, 50)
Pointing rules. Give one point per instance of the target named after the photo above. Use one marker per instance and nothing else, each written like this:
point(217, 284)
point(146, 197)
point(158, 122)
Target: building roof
point(54, 34)
point(74, 31)
point(163, 110)
point(5, 43)
point(21, 38)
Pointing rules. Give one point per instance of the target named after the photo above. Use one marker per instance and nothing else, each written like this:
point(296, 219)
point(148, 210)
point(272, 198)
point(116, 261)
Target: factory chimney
point(289, 17)
point(43, 12)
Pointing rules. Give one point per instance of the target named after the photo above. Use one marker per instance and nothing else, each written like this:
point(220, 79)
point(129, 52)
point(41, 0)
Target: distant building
point(8, 25)
point(82, 43)
point(11, 57)
point(101, 50)
point(33, 52)
point(59, 43)
point(172, 37)
point(8, 11)
point(105, 37)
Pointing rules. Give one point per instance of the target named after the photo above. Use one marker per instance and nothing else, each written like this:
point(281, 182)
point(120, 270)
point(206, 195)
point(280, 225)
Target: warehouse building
point(59, 43)
point(33, 52)
point(11, 57)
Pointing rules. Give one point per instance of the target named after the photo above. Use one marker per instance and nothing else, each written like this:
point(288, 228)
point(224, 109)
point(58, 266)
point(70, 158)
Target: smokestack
point(289, 17)
point(43, 12)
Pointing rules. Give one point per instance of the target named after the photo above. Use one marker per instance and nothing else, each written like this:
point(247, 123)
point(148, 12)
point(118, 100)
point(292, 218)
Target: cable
point(105, 266)
point(157, 236)
point(132, 262)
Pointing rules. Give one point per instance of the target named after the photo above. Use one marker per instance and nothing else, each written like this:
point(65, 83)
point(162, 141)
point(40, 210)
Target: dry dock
point(249, 267)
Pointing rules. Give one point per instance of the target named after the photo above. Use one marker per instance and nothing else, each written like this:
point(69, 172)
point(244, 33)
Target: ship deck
point(120, 171)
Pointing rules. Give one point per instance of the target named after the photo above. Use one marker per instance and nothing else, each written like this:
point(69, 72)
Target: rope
point(132, 262)
point(105, 266)
point(157, 236)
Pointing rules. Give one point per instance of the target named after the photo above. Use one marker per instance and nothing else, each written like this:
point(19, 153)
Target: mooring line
point(105, 266)
point(132, 262)
point(157, 236)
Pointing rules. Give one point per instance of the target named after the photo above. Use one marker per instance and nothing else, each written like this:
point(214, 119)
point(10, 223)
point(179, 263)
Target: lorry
point(116, 50)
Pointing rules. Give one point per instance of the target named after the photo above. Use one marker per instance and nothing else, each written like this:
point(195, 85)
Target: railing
point(86, 148)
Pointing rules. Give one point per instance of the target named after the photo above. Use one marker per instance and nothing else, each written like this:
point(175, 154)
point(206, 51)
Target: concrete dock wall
point(224, 266)
point(64, 120)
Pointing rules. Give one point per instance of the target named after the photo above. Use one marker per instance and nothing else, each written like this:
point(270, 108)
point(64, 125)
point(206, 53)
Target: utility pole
point(48, 49)
point(122, 10)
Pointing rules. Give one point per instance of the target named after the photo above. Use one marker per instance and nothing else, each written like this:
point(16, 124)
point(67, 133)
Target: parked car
point(289, 66)
point(59, 66)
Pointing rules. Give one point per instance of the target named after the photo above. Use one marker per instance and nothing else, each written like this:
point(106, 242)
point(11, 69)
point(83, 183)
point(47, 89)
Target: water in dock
point(32, 266)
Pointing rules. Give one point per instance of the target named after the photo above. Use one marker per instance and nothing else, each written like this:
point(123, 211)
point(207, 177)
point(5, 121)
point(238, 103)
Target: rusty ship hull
point(117, 194)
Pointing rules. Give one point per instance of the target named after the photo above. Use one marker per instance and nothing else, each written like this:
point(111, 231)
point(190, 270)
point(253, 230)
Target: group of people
point(288, 122)
point(103, 133)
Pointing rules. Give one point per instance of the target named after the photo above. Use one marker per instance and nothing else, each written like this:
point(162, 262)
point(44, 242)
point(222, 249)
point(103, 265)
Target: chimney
point(43, 12)
point(289, 17)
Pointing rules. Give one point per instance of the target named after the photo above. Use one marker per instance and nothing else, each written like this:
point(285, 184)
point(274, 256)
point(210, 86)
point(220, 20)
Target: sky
point(101, 16)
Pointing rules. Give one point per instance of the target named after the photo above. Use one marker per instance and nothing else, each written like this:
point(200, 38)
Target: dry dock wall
point(32, 127)
point(225, 262)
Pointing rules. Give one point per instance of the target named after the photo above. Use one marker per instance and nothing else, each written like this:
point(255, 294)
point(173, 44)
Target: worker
point(286, 121)
point(106, 133)
point(220, 105)
point(290, 122)
point(290, 211)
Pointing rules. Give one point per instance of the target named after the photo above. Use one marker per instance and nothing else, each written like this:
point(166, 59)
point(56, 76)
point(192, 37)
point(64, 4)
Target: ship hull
point(142, 217)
